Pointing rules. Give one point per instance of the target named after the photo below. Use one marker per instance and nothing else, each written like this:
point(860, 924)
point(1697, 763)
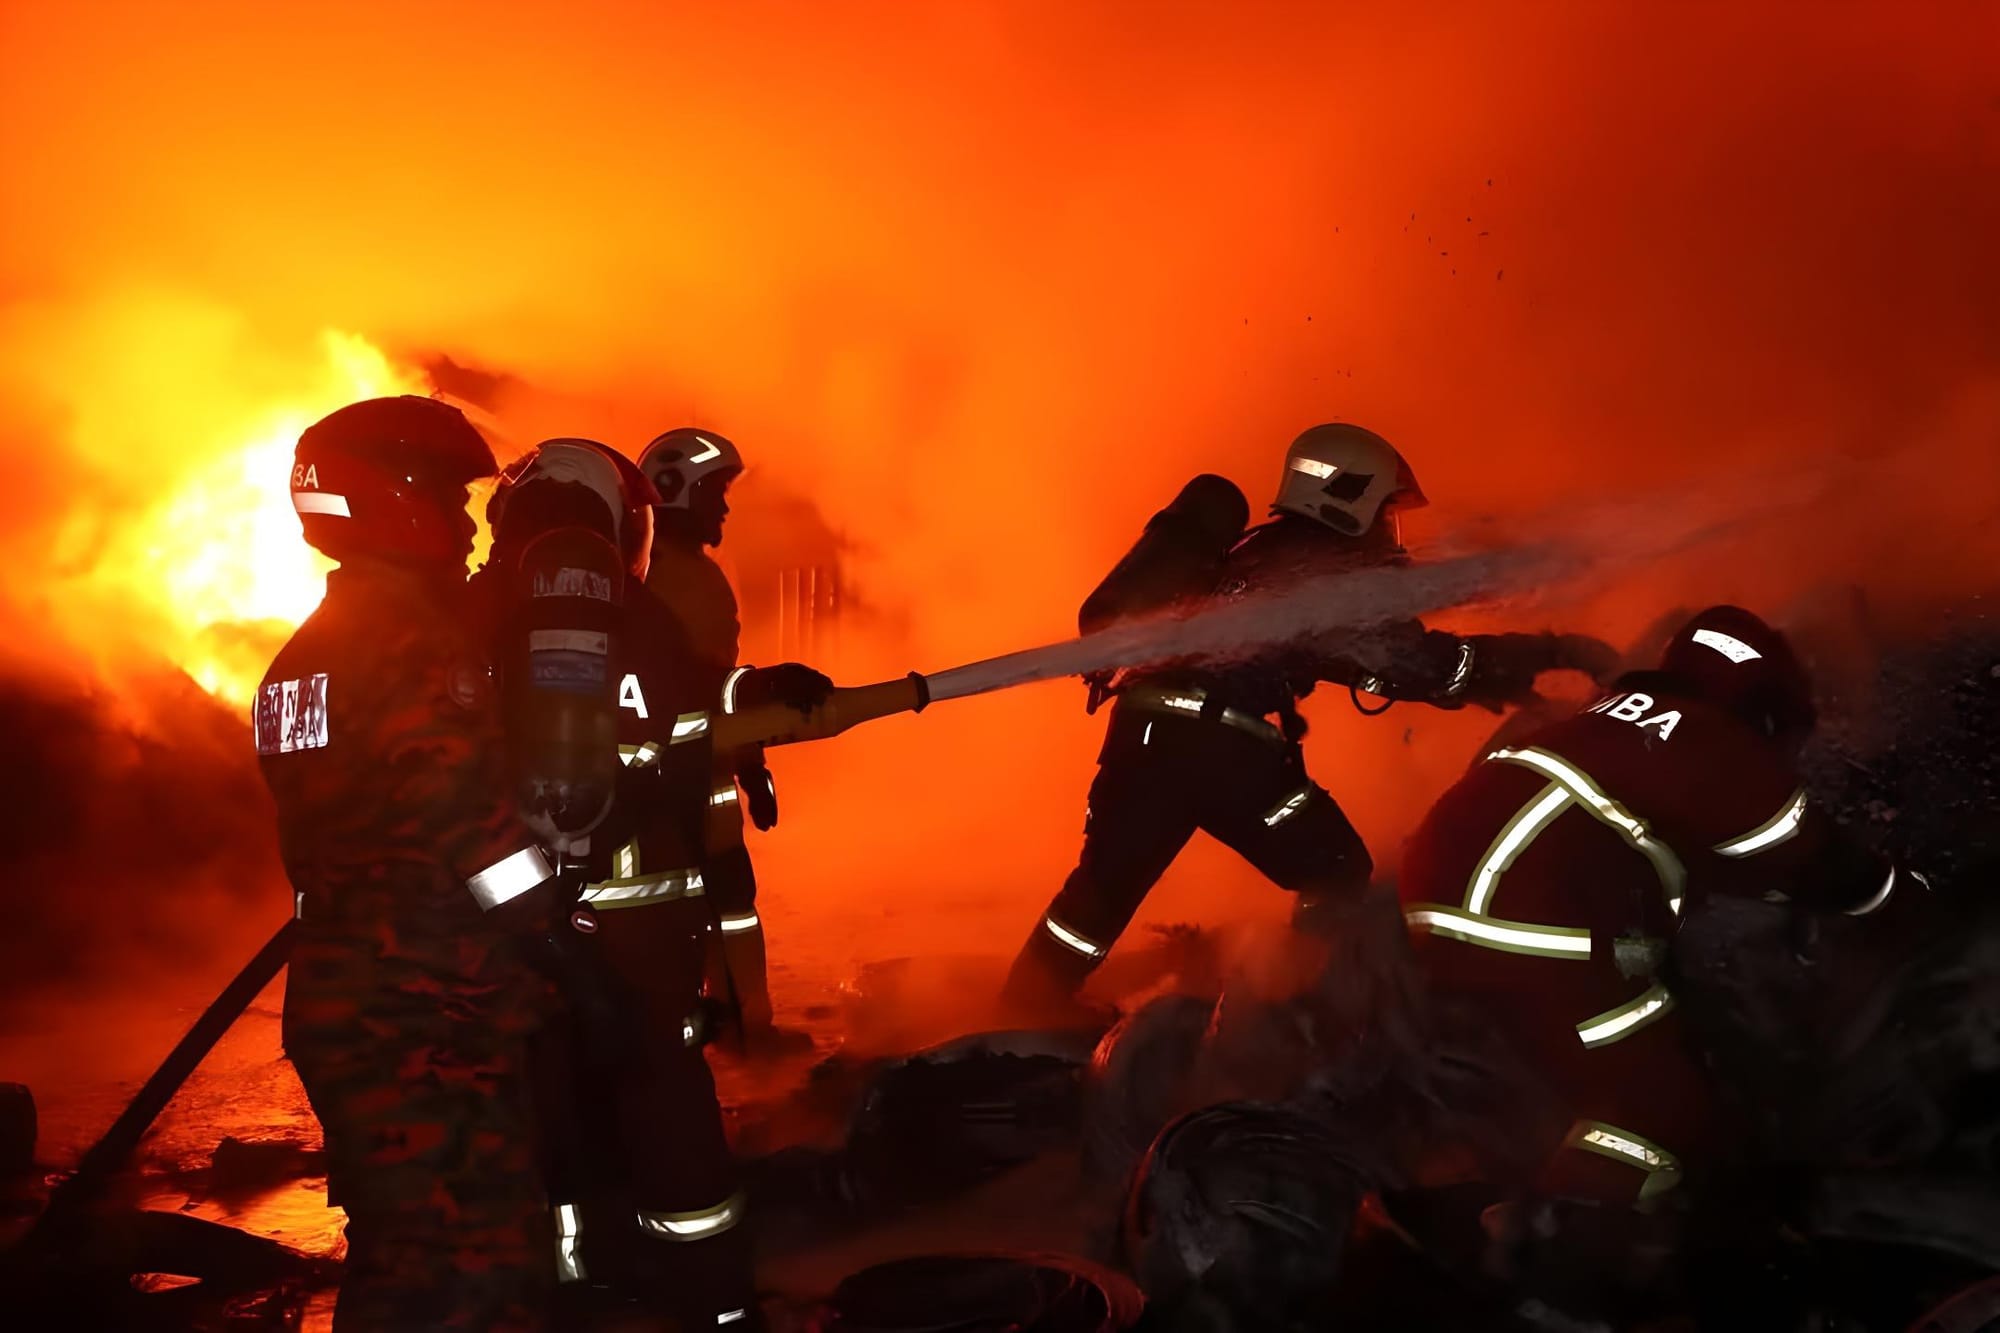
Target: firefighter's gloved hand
point(1504, 667)
point(760, 791)
point(792, 684)
point(1593, 657)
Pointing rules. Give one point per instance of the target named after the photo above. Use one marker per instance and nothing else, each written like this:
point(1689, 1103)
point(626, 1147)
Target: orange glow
point(987, 282)
point(224, 549)
point(211, 561)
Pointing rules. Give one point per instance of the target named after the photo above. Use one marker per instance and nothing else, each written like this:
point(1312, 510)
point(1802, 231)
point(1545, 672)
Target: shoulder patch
point(291, 715)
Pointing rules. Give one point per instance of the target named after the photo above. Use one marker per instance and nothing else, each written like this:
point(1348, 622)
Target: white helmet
point(674, 462)
point(628, 497)
point(1342, 476)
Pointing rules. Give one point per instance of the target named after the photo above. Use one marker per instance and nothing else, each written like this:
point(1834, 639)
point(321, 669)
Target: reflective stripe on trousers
point(699, 1224)
point(569, 1226)
point(1071, 940)
point(1288, 807)
point(1662, 1168)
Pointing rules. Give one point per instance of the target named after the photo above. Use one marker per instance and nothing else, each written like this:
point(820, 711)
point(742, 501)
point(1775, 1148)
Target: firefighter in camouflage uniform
point(409, 1003)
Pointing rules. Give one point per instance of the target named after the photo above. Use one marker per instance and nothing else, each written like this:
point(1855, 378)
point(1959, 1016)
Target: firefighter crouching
point(1216, 748)
point(1547, 884)
point(409, 1003)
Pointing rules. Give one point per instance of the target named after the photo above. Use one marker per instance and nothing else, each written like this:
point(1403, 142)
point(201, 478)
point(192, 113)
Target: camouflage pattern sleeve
point(444, 775)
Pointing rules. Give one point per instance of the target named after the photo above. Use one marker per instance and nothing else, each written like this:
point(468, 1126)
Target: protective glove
point(1580, 652)
point(760, 791)
point(789, 683)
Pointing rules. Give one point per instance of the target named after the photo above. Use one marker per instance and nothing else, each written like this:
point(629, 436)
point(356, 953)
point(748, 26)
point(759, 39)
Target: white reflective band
point(1620, 1023)
point(697, 1225)
point(1666, 863)
point(569, 1265)
point(723, 797)
point(644, 890)
point(1506, 936)
point(1519, 831)
point(740, 921)
point(298, 905)
point(569, 640)
point(509, 878)
point(320, 502)
point(625, 861)
point(1185, 703)
point(1728, 645)
point(729, 688)
point(1779, 828)
point(1290, 806)
point(708, 452)
point(1881, 896)
point(1071, 940)
point(1662, 1168)
point(1147, 738)
point(1312, 467)
point(1460, 674)
point(638, 756)
point(688, 726)
point(731, 1316)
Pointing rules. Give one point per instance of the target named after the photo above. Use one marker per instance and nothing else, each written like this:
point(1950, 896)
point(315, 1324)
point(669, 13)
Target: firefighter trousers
point(1161, 777)
point(646, 1194)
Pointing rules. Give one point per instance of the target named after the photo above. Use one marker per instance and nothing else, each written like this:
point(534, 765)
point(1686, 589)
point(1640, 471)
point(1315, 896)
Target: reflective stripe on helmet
point(731, 1317)
point(321, 502)
point(1312, 467)
point(509, 878)
point(1069, 939)
point(1666, 864)
point(697, 1225)
point(1513, 838)
point(644, 890)
point(723, 795)
point(1288, 807)
point(1775, 831)
point(689, 726)
point(569, 1226)
point(734, 923)
point(1507, 936)
point(1728, 645)
point(1615, 1025)
point(1662, 1168)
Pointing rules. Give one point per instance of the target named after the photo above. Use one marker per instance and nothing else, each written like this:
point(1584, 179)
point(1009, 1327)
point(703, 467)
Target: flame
point(220, 558)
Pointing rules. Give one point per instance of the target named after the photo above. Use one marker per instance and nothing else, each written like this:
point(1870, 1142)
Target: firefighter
point(692, 471)
point(1217, 747)
point(647, 1198)
point(409, 1005)
point(1547, 884)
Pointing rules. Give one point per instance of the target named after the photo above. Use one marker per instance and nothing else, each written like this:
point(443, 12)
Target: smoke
point(987, 282)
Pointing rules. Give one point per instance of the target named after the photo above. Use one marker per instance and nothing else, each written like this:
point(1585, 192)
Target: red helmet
point(1734, 659)
point(387, 476)
point(578, 483)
